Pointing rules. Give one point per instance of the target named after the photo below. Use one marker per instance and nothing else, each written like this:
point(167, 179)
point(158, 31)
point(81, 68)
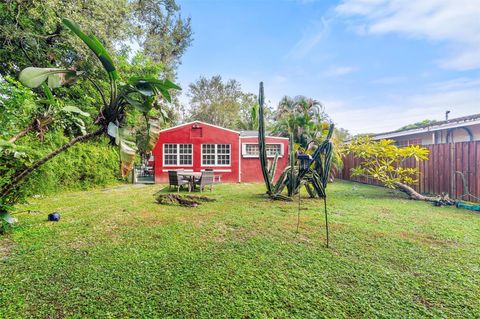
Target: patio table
point(190, 176)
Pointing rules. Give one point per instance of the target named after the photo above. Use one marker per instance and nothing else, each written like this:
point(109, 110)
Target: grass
point(115, 253)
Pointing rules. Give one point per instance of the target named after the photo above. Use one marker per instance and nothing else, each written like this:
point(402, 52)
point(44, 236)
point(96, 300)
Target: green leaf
point(74, 109)
point(48, 93)
point(166, 94)
point(34, 77)
point(95, 45)
point(170, 85)
point(150, 86)
point(144, 107)
point(6, 217)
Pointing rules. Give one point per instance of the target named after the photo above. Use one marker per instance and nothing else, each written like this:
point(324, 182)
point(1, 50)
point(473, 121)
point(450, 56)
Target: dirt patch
point(223, 232)
point(426, 303)
point(426, 239)
point(6, 247)
point(385, 212)
point(378, 234)
point(303, 238)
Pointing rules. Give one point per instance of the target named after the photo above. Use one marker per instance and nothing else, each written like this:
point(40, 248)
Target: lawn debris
point(443, 200)
point(469, 206)
point(182, 200)
point(54, 217)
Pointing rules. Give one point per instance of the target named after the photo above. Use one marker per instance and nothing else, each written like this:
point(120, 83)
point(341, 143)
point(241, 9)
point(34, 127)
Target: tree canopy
point(221, 103)
point(31, 32)
point(419, 124)
point(143, 94)
point(302, 117)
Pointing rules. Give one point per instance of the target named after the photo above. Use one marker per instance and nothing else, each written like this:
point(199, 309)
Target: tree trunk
point(22, 133)
point(29, 170)
point(37, 124)
point(413, 194)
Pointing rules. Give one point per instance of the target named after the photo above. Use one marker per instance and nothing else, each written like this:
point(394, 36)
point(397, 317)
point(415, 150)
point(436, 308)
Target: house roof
point(198, 122)
point(241, 133)
point(441, 125)
point(248, 133)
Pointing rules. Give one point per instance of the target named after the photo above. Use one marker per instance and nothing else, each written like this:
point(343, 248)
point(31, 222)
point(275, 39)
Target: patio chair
point(177, 181)
point(205, 180)
point(216, 178)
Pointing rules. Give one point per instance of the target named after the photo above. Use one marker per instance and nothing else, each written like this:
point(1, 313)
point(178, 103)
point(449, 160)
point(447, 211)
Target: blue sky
point(376, 65)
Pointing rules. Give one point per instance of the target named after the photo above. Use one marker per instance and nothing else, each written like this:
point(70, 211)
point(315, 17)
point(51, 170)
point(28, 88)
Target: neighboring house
point(462, 129)
point(197, 146)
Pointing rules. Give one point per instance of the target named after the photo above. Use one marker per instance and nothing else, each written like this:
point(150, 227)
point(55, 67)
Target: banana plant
point(144, 94)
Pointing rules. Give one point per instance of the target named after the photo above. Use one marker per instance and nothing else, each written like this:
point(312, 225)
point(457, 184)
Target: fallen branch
point(442, 200)
point(182, 200)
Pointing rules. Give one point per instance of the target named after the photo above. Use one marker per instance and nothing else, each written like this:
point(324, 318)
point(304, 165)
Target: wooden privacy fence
point(440, 174)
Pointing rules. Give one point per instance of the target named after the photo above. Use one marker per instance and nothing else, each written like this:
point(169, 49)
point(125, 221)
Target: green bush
point(84, 166)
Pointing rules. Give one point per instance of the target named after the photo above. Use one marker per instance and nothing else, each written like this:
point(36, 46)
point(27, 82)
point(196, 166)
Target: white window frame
point(178, 155)
point(244, 150)
point(216, 154)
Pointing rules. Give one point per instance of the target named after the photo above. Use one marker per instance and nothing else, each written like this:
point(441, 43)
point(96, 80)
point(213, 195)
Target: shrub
point(82, 167)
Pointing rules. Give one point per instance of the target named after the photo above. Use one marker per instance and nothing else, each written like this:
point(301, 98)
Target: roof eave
point(427, 129)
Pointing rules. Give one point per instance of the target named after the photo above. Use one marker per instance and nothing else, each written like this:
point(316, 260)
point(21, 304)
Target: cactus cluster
point(314, 177)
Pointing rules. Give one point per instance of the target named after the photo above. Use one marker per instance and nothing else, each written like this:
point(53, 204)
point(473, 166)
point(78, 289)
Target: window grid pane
point(273, 149)
point(178, 154)
point(215, 154)
point(223, 154)
point(252, 149)
point(208, 151)
point(170, 154)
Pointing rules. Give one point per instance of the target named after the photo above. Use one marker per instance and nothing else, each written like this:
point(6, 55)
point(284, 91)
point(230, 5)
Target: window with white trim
point(216, 154)
point(252, 150)
point(177, 154)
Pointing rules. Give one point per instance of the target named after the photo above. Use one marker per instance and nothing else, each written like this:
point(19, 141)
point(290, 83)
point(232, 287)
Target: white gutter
point(239, 158)
point(424, 130)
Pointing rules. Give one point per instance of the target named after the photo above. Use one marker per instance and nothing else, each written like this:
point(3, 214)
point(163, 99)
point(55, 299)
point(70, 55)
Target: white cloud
point(454, 22)
point(458, 83)
point(278, 79)
point(460, 96)
point(310, 39)
point(388, 80)
point(340, 70)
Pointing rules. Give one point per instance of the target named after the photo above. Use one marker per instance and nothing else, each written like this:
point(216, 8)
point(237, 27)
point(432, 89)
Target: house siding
point(250, 166)
point(240, 169)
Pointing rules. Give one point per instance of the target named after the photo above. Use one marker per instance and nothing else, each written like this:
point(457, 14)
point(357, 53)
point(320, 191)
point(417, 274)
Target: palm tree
point(251, 122)
point(299, 116)
point(306, 119)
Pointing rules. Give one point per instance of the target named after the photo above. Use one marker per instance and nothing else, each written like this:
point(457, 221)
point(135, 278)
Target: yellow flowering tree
point(384, 161)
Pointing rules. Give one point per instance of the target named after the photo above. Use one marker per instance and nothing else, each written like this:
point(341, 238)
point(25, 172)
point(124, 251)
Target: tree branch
point(29, 170)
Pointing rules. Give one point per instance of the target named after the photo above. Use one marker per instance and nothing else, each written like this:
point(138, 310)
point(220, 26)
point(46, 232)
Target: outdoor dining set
point(190, 180)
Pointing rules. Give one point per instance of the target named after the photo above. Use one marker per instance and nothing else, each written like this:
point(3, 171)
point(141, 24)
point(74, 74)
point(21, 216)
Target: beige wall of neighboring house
point(462, 129)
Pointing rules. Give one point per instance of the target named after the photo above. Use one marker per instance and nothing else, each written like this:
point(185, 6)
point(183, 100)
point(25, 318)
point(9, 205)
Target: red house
point(232, 155)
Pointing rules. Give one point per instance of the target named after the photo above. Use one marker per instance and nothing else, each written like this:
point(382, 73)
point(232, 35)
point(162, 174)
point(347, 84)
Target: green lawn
point(115, 253)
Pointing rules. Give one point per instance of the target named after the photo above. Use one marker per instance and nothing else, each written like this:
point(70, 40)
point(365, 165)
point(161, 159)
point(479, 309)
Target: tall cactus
point(274, 191)
point(261, 142)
